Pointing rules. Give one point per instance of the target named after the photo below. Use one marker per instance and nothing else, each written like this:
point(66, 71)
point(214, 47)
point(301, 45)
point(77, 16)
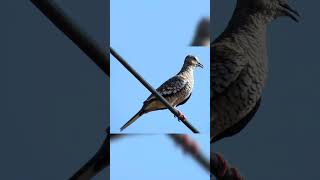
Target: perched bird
point(239, 65)
point(177, 90)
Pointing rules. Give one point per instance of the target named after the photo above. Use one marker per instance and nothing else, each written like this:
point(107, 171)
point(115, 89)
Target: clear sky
point(155, 157)
point(282, 141)
point(157, 64)
point(153, 36)
point(155, 23)
point(140, 33)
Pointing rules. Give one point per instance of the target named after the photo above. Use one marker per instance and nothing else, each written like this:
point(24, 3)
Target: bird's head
point(193, 61)
point(271, 9)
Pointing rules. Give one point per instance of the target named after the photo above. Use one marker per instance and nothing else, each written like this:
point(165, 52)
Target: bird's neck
point(247, 27)
point(186, 70)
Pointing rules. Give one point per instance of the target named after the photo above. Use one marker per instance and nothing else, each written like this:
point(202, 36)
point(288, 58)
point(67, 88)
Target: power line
point(99, 57)
point(52, 11)
point(191, 147)
point(152, 90)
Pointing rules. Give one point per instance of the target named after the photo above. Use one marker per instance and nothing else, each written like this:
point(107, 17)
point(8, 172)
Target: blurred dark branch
point(221, 169)
point(96, 164)
point(202, 33)
point(102, 158)
point(152, 90)
point(52, 11)
point(99, 161)
point(186, 144)
point(191, 147)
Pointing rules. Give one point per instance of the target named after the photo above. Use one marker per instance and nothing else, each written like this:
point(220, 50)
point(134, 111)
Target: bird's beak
point(290, 12)
point(199, 65)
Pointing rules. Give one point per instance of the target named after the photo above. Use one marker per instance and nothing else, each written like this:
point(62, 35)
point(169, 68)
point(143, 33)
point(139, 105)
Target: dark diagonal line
point(70, 29)
point(151, 89)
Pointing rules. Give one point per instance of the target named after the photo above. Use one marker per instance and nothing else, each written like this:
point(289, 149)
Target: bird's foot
point(181, 117)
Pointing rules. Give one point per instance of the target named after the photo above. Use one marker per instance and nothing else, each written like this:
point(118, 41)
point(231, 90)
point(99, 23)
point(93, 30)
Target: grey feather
point(176, 90)
point(171, 87)
point(239, 66)
point(132, 120)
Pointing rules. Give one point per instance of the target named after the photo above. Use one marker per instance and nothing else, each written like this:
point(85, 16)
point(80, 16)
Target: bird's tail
point(132, 120)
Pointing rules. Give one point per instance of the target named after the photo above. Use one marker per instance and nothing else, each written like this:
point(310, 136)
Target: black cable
point(151, 89)
point(52, 11)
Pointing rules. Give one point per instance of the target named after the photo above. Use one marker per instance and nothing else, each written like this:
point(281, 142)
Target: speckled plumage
point(176, 90)
point(239, 66)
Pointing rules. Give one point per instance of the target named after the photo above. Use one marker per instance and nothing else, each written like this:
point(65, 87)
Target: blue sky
point(153, 36)
point(156, 66)
point(155, 157)
point(140, 33)
point(155, 23)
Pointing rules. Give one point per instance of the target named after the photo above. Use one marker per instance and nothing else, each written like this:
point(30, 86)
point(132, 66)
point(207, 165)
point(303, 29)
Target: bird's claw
point(177, 117)
point(180, 116)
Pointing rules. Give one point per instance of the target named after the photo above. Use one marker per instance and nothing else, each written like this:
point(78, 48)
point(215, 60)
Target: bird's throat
point(186, 72)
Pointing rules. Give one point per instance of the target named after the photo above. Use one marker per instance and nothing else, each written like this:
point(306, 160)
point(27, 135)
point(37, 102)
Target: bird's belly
point(154, 105)
point(173, 100)
point(183, 95)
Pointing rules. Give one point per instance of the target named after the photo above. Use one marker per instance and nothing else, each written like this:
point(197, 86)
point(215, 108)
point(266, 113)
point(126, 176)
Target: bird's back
point(238, 73)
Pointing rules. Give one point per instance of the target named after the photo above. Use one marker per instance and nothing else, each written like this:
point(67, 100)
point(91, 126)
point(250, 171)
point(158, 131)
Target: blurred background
point(281, 142)
point(156, 157)
point(54, 100)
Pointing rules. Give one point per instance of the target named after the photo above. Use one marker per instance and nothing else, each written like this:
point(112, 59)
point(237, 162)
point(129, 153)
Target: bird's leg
point(175, 114)
point(180, 116)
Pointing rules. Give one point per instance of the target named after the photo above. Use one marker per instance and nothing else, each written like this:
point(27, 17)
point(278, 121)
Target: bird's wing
point(238, 126)
point(169, 88)
point(185, 100)
point(226, 67)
